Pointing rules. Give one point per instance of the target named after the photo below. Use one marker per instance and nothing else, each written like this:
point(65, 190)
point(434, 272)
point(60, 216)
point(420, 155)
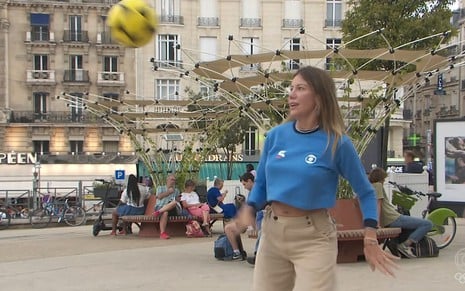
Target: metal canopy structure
point(260, 95)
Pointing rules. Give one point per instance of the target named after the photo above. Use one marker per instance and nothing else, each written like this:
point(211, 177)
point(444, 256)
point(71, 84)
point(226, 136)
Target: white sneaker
point(406, 251)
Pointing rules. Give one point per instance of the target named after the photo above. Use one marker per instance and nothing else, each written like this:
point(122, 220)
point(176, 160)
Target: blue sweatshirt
point(299, 169)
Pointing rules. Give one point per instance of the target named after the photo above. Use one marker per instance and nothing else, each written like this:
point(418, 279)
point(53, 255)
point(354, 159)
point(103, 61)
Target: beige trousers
point(296, 253)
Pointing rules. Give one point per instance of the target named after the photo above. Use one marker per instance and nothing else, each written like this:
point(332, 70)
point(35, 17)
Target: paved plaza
point(70, 258)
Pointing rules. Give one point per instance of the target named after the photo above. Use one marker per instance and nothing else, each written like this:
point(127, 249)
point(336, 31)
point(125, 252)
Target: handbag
point(193, 229)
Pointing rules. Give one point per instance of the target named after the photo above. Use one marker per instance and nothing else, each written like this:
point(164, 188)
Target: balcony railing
point(40, 36)
point(251, 22)
point(110, 78)
point(172, 19)
point(208, 21)
point(40, 76)
point(167, 63)
point(105, 38)
point(293, 23)
point(53, 117)
point(76, 76)
point(333, 22)
point(75, 36)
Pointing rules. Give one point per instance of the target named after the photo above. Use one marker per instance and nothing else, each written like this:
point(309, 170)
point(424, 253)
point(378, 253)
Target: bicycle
point(443, 219)
point(71, 215)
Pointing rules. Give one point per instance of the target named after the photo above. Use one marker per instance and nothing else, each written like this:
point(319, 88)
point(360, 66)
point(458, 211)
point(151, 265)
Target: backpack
point(425, 248)
point(223, 249)
point(193, 229)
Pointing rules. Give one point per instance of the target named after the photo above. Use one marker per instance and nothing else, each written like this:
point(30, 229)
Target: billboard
point(449, 143)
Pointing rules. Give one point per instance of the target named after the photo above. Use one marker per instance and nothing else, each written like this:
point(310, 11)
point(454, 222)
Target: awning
point(40, 19)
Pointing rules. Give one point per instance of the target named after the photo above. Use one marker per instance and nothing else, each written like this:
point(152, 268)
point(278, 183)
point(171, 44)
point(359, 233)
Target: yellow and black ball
point(132, 22)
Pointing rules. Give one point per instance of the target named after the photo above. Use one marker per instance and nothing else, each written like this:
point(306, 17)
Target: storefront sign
point(18, 158)
point(210, 158)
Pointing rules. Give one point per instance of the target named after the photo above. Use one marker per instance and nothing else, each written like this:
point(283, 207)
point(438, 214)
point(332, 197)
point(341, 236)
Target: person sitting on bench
point(190, 201)
point(215, 200)
point(167, 203)
point(389, 217)
point(132, 202)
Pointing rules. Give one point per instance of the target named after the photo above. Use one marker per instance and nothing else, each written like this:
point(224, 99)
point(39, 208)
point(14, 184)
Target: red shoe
point(113, 232)
point(164, 235)
point(156, 213)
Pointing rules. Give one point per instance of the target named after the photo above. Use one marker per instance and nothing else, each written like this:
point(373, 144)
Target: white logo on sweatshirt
point(310, 159)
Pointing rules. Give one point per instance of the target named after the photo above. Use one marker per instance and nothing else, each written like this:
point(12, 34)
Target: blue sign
point(119, 175)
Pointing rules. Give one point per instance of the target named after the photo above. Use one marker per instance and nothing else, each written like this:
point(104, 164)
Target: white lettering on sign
point(18, 158)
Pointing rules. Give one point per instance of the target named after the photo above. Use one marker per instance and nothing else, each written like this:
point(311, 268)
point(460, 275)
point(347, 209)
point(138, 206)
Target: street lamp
point(35, 184)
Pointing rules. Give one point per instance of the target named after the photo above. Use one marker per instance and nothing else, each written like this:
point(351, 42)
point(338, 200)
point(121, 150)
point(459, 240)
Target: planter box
point(348, 217)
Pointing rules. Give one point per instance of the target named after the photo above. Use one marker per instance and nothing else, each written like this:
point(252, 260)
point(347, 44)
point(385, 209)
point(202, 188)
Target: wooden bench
point(149, 226)
point(350, 242)
point(350, 230)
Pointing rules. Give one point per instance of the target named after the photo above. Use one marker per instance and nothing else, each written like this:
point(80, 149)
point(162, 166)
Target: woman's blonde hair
point(329, 117)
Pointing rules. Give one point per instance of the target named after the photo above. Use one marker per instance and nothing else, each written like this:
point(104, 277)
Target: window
point(170, 12)
point(168, 54)
point(294, 45)
point(75, 65)
point(110, 146)
point(167, 89)
point(40, 62)
point(40, 105)
point(41, 146)
point(40, 27)
point(208, 48)
point(250, 14)
point(208, 13)
point(110, 64)
point(333, 13)
point(332, 43)
point(75, 62)
point(251, 142)
point(75, 28)
point(250, 47)
point(292, 14)
point(76, 105)
point(76, 146)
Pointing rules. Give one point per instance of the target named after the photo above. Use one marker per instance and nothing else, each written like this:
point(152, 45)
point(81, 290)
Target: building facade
point(63, 48)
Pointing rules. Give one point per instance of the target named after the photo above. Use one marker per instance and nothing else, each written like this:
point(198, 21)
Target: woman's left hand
point(378, 258)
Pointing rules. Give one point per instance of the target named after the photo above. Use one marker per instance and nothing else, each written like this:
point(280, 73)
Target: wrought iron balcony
point(172, 19)
point(105, 38)
point(75, 36)
point(80, 76)
point(293, 23)
point(251, 22)
point(208, 21)
point(40, 36)
point(53, 117)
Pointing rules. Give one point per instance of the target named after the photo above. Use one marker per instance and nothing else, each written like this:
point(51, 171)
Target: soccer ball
point(132, 22)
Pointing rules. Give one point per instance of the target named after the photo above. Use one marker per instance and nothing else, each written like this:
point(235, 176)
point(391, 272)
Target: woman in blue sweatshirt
point(298, 175)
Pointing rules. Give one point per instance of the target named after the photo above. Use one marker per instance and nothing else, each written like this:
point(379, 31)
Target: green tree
point(401, 22)
point(231, 135)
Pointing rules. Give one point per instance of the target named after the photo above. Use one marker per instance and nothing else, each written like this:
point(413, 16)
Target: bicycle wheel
point(40, 218)
point(74, 216)
point(5, 218)
point(444, 234)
